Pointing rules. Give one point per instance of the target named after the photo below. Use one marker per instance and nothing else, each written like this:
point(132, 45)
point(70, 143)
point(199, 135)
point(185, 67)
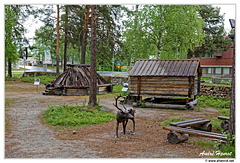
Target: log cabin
point(170, 78)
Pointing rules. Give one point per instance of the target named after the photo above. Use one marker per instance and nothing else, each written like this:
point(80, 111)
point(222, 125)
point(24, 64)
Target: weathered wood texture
point(196, 132)
point(176, 137)
point(202, 124)
point(165, 78)
point(224, 123)
point(162, 86)
point(76, 81)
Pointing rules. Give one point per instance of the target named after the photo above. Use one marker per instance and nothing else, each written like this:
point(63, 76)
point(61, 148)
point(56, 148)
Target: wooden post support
point(225, 125)
point(176, 137)
point(205, 127)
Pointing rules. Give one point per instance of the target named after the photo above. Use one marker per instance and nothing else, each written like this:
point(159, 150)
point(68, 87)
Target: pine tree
point(215, 40)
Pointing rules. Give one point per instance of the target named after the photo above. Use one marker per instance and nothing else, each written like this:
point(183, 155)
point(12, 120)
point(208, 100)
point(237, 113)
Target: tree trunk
point(189, 54)
point(232, 107)
point(84, 44)
point(66, 40)
point(159, 46)
point(57, 41)
point(9, 68)
point(85, 32)
point(93, 84)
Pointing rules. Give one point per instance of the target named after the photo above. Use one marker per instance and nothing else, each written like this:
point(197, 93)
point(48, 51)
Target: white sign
point(37, 81)
point(125, 87)
point(47, 57)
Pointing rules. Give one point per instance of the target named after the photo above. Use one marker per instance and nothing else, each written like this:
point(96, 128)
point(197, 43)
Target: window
point(209, 70)
point(204, 70)
point(226, 70)
point(218, 70)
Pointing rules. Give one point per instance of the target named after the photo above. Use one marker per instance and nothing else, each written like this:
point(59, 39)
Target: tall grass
point(65, 116)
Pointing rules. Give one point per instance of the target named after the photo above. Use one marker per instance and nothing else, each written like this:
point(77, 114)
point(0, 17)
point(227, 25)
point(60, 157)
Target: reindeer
point(123, 115)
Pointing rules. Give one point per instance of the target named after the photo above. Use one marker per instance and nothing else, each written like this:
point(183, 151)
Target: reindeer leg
point(124, 127)
point(133, 125)
point(126, 124)
point(117, 130)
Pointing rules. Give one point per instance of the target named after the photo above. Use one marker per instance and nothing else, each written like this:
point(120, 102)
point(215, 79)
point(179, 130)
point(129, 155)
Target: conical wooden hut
point(76, 81)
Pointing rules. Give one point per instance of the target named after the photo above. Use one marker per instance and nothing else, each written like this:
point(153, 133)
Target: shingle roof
point(168, 67)
point(77, 77)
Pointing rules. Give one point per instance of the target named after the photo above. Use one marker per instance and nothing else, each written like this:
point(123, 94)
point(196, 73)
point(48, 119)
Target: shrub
point(75, 116)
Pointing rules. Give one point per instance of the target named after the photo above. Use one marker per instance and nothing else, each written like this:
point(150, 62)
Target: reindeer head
point(129, 110)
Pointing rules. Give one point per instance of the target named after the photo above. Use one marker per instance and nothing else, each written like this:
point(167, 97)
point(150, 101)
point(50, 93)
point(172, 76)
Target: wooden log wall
point(162, 86)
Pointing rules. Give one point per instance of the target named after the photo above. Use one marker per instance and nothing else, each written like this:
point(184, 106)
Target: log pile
point(215, 90)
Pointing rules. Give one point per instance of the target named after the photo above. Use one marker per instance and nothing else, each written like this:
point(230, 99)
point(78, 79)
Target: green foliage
point(215, 102)
point(11, 55)
point(165, 31)
point(215, 41)
point(43, 79)
point(75, 116)
point(222, 104)
point(226, 150)
point(8, 102)
point(118, 89)
point(172, 119)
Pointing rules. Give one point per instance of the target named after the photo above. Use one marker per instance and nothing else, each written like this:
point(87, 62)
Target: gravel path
point(30, 138)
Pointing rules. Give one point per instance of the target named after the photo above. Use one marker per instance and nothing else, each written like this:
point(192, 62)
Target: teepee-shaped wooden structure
point(76, 81)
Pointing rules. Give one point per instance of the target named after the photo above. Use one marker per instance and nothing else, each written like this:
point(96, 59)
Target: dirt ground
point(28, 137)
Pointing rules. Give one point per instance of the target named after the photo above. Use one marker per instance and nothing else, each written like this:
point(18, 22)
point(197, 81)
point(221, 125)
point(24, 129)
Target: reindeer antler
point(116, 99)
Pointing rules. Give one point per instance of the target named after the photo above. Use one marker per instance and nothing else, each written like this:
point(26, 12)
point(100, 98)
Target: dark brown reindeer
point(123, 115)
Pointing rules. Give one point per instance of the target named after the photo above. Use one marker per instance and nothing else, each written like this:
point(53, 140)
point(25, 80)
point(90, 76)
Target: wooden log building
point(172, 78)
point(76, 81)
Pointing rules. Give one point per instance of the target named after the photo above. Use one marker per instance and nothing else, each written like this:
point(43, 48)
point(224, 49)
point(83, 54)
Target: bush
point(43, 79)
point(215, 102)
point(75, 116)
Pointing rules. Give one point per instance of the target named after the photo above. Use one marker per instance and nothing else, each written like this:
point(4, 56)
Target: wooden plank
point(158, 95)
point(186, 70)
point(161, 66)
point(156, 65)
point(193, 68)
point(136, 68)
point(141, 68)
point(182, 122)
point(163, 70)
point(171, 68)
point(146, 69)
point(161, 94)
point(196, 132)
point(163, 89)
point(194, 123)
point(160, 78)
point(162, 82)
point(223, 118)
point(176, 68)
point(162, 85)
point(182, 67)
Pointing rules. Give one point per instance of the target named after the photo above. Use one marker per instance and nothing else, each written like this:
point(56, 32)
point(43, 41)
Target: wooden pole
point(93, 71)
point(57, 41)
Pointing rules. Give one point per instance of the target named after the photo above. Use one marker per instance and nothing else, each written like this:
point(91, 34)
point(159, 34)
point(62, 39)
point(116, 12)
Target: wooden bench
point(180, 134)
point(202, 124)
point(224, 123)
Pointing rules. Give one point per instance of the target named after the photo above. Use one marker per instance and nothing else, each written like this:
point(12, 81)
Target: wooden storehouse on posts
point(171, 78)
point(76, 81)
